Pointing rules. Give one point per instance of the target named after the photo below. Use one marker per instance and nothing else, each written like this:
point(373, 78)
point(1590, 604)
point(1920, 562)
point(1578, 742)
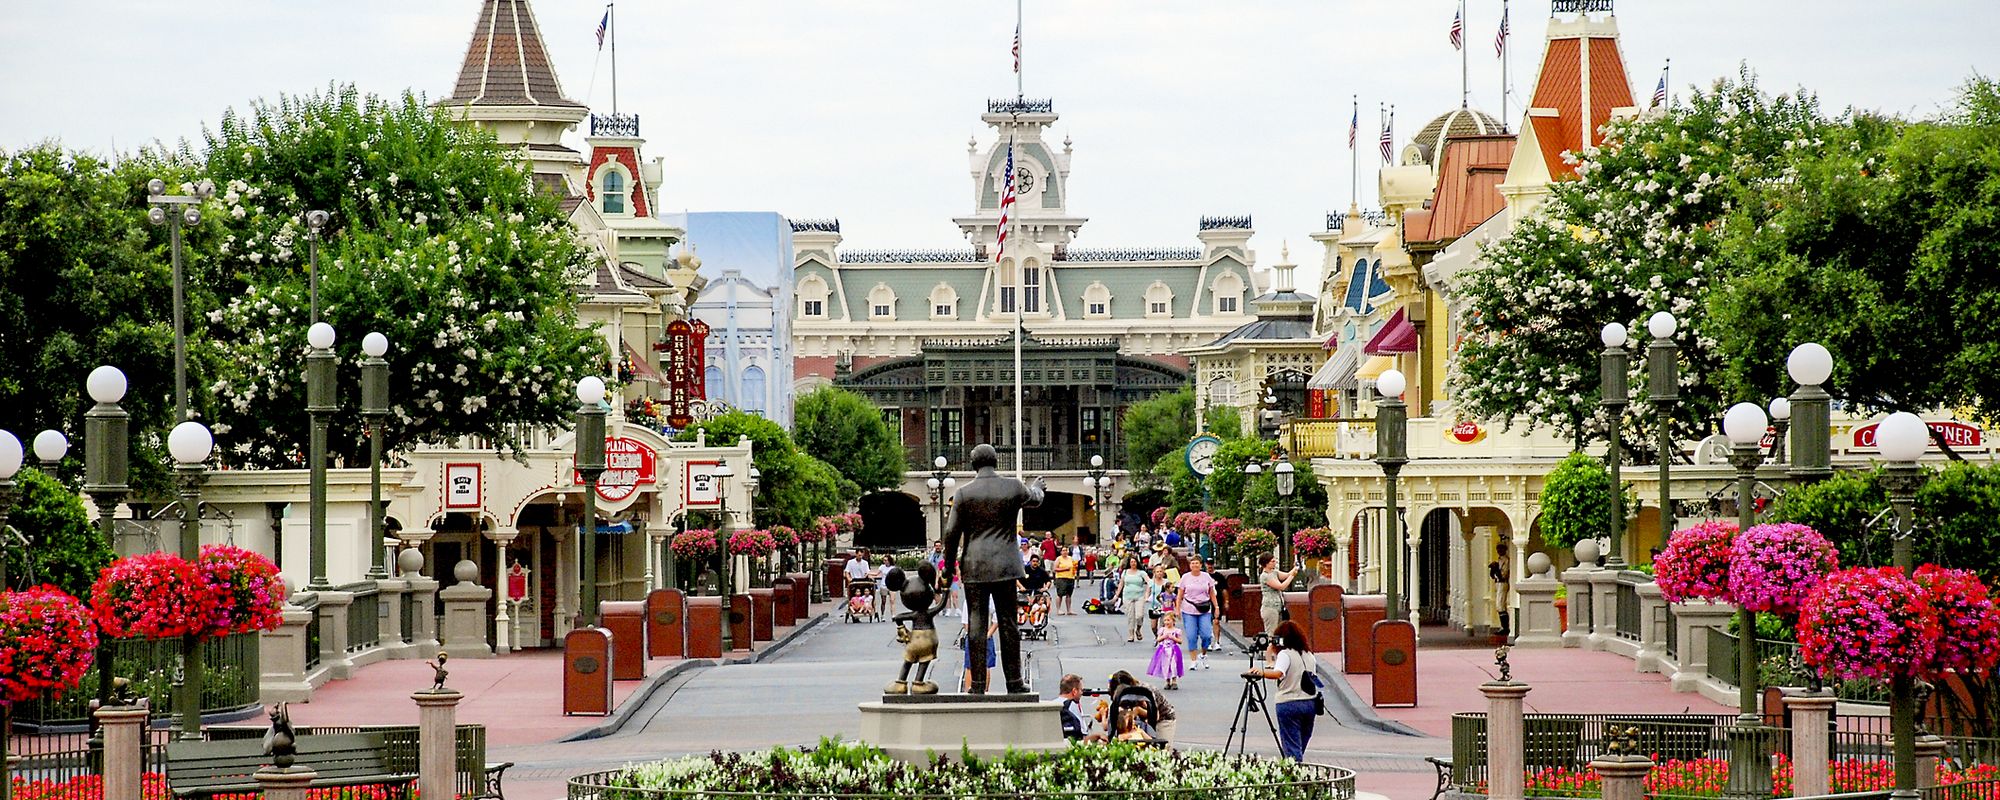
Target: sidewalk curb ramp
point(1345, 705)
point(625, 710)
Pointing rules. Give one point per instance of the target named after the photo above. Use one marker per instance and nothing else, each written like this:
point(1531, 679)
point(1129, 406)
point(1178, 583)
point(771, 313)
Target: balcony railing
point(364, 616)
point(1034, 459)
point(1330, 438)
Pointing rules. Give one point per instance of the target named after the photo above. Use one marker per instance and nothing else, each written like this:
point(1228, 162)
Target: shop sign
point(697, 375)
point(461, 486)
point(1466, 432)
point(1954, 433)
point(681, 371)
point(628, 464)
point(702, 487)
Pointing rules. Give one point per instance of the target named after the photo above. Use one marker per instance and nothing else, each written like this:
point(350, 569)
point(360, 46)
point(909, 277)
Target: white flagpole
point(1353, 160)
point(1020, 284)
point(612, 9)
point(1505, 53)
point(1464, 59)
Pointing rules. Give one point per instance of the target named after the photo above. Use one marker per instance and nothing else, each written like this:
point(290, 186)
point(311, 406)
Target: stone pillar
point(1577, 581)
point(656, 543)
point(393, 594)
point(503, 626)
point(281, 657)
point(1694, 618)
point(437, 741)
point(1811, 742)
point(1624, 776)
point(284, 784)
point(1506, 739)
point(122, 727)
point(423, 594)
point(1536, 625)
point(566, 580)
point(1652, 656)
point(465, 618)
point(1930, 748)
point(333, 607)
point(1603, 609)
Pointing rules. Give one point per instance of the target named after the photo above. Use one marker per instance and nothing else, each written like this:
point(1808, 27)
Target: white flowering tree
point(437, 240)
point(1638, 231)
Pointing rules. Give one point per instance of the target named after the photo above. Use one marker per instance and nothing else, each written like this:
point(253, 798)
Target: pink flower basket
point(755, 542)
point(1256, 540)
point(1968, 621)
point(46, 642)
point(247, 591)
point(1868, 622)
point(1773, 567)
point(1313, 542)
point(785, 535)
point(1695, 563)
point(694, 545)
point(151, 596)
point(1227, 530)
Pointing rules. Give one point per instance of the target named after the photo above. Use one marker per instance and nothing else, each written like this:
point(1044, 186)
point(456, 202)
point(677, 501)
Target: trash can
point(704, 627)
point(666, 624)
point(1253, 605)
point(764, 601)
point(783, 614)
point(1359, 614)
point(801, 596)
point(626, 619)
point(742, 622)
point(1395, 646)
point(587, 663)
point(1323, 623)
point(1233, 582)
point(836, 576)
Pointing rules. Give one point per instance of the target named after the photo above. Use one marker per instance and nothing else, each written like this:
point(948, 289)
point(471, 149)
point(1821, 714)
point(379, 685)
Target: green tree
point(1576, 502)
point(1638, 231)
point(1893, 217)
point(1225, 484)
point(793, 488)
point(1261, 504)
point(1841, 508)
point(63, 548)
point(437, 240)
point(844, 430)
point(1157, 426)
point(1223, 421)
point(1184, 488)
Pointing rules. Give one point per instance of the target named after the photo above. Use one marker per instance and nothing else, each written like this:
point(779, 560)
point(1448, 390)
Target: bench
point(478, 779)
point(205, 769)
point(1443, 764)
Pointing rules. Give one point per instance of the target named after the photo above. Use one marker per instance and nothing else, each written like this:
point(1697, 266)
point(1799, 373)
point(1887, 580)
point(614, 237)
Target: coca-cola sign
point(1466, 432)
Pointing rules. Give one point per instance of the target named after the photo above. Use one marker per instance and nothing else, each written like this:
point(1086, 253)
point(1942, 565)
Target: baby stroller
point(861, 601)
point(1034, 615)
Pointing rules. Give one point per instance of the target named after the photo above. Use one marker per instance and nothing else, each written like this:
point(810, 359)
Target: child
point(1167, 661)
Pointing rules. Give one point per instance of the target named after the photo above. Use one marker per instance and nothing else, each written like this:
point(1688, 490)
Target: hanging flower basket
point(1312, 542)
point(1159, 516)
point(1256, 540)
point(851, 521)
point(694, 545)
point(245, 587)
point(1695, 563)
point(1773, 567)
point(755, 542)
point(1228, 530)
point(1868, 622)
point(151, 596)
point(1968, 621)
point(46, 641)
point(785, 535)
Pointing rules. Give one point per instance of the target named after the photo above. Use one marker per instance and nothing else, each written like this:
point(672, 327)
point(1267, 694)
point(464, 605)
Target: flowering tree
point(1635, 233)
point(1774, 567)
point(46, 639)
point(437, 240)
point(1695, 563)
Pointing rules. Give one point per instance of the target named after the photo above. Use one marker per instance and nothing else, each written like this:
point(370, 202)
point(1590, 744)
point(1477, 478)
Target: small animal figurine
point(920, 642)
point(279, 742)
point(437, 684)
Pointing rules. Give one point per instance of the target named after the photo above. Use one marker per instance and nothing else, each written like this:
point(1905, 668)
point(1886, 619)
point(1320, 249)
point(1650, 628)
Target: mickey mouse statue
point(920, 642)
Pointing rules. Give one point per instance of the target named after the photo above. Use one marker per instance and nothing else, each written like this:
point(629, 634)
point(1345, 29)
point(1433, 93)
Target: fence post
point(1603, 609)
point(1695, 617)
point(123, 725)
point(1811, 745)
point(1930, 748)
point(1505, 738)
point(1624, 776)
point(437, 742)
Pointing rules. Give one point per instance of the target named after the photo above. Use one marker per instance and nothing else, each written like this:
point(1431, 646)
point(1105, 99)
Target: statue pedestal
point(913, 727)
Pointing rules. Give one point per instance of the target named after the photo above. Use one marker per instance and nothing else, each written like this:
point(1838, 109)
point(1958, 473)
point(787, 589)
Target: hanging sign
point(461, 486)
point(1954, 433)
point(517, 582)
point(702, 487)
point(681, 368)
point(698, 373)
point(628, 464)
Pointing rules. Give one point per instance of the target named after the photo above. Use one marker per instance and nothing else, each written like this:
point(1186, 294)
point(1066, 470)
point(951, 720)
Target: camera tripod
point(1251, 702)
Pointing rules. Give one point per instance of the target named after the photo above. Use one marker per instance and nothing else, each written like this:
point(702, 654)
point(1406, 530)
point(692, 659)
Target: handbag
point(1318, 687)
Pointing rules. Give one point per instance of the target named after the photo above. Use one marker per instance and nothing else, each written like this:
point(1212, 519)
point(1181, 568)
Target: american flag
point(1017, 48)
point(1500, 40)
point(1388, 139)
point(1006, 202)
point(1354, 125)
point(1660, 92)
point(602, 26)
point(1457, 31)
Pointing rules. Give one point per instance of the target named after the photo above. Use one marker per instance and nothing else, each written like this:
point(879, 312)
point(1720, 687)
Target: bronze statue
point(920, 642)
point(437, 683)
point(1506, 669)
point(280, 743)
point(982, 549)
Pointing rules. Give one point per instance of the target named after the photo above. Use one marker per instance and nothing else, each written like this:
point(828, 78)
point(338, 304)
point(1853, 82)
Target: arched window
point(711, 379)
point(813, 292)
point(1031, 297)
point(944, 302)
point(1159, 300)
point(1097, 301)
point(1221, 392)
point(753, 389)
point(1228, 291)
point(881, 302)
point(613, 196)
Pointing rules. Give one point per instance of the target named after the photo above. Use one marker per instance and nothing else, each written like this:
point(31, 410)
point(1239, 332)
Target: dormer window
point(813, 293)
point(1159, 300)
point(1228, 291)
point(881, 302)
point(613, 195)
point(1097, 302)
point(944, 302)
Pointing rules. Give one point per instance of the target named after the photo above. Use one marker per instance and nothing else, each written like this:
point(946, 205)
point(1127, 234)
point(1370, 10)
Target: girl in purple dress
point(1167, 661)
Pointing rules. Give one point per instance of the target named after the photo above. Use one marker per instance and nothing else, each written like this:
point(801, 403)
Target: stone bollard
point(333, 608)
point(1577, 581)
point(1930, 748)
point(1506, 739)
point(123, 726)
point(1624, 776)
point(437, 742)
point(281, 657)
point(1695, 618)
point(423, 595)
point(1811, 742)
point(465, 614)
point(1603, 609)
point(1537, 625)
point(1652, 656)
point(288, 783)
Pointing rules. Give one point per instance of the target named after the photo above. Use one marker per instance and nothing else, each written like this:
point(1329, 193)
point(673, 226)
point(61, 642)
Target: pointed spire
point(506, 63)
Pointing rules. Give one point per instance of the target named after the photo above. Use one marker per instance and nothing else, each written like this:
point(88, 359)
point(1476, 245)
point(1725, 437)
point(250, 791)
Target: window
point(1097, 301)
point(813, 293)
point(1097, 310)
point(711, 379)
point(815, 308)
point(614, 192)
point(753, 389)
point(881, 302)
point(944, 302)
point(1221, 392)
point(1159, 300)
point(1006, 299)
point(1226, 305)
point(1228, 291)
point(1031, 299)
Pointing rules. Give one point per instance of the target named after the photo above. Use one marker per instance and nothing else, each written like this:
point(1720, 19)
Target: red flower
point(247, 592)
point(46, 642)
point(152, 596)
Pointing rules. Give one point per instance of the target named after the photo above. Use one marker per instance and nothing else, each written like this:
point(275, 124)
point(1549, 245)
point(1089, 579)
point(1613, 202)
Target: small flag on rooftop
point(603, 25)
point(1660, 92)
point(1457, 31)
point(1388, 138)
point(1354, 126)
point(1017, 49)
point(1006, 202)
point(1500, 40)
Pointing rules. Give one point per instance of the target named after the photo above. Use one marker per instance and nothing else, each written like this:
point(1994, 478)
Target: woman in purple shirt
point(1198, 612)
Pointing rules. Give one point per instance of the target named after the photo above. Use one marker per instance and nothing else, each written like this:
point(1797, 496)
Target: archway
point(1433, 593)
point(1060, 513)
point(891, 520)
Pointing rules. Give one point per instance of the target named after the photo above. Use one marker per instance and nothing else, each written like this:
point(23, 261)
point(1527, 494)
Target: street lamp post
point(590, 467)
point(1750, 766)
point(1663, 388)
point(1391, 453)
point(1902, 439)
point(156, 195)
point(1613, 365)
point(1781, 418)
point(374, 410)
point(10, 465)
point(1284, 475)
point(106, 470)
point(315, 223)
point(1100, 490)
point(750, 482)
point(722, 473)
point(190, 444)
point(1812, 448)
point(939, 483)
point(320, 405)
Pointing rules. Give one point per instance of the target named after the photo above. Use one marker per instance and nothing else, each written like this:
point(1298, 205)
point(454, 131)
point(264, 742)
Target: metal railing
point(233, 673)
point(48, 760)
point(311, 606)
point(1046, 457)
point(1673, 634)
point(1330, 438)
point(364, 616)
point(1568, 742)
point(1626, 595)
point(1327, 783)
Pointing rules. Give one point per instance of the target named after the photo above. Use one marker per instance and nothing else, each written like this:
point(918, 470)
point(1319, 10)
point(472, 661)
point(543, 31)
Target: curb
point(623, 714)
point(1344, 702)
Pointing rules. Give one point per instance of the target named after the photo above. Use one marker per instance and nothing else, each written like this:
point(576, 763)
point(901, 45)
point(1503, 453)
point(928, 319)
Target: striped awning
point(1398, 336)
point(1375, 367)
point(1338, 372)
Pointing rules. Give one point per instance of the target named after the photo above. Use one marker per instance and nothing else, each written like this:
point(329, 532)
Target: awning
point(616, 528)
point(1338, 372)
point(1375, 367)
point(1398, 336)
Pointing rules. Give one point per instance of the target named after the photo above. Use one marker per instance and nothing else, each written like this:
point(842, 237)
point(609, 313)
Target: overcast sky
point(861, 109)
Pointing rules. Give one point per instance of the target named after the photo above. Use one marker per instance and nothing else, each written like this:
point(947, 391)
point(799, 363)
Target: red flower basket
point(46, 641)
point(1968, 621)
point(785, 535)
point(151, 596)
point(1313, 542)
point(1256, 540)
point(694, 545)
point(246, 590)
point(1227, 530)
point(1773, 567)
point(754, 542)
point(1159, 516)
point(1868, 622)
point(1695, 563)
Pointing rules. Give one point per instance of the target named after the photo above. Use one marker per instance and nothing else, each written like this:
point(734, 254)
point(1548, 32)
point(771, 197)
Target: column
point(1536, 624)
point(1930, 748)
point(393, 594)
point(437, 742)
point(503, 626)
point(281, 658)
point(1505, 739)
point(122, 726)
point(566, 582)
point(1624, 776)
point(333, 606)
point(1577, 580)
point(1811, 742)
point(1603, 609)
point(286, 784)
point(1652, 655)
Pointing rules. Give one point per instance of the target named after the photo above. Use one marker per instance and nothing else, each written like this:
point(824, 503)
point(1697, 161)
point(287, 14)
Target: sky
point(860, 109)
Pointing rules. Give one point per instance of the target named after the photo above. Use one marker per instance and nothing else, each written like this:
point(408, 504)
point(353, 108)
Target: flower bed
point(1707, 777)
point(837, 769)
point(153, 786)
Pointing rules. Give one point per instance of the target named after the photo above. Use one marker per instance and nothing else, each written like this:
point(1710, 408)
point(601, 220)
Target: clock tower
point(1041, 179)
